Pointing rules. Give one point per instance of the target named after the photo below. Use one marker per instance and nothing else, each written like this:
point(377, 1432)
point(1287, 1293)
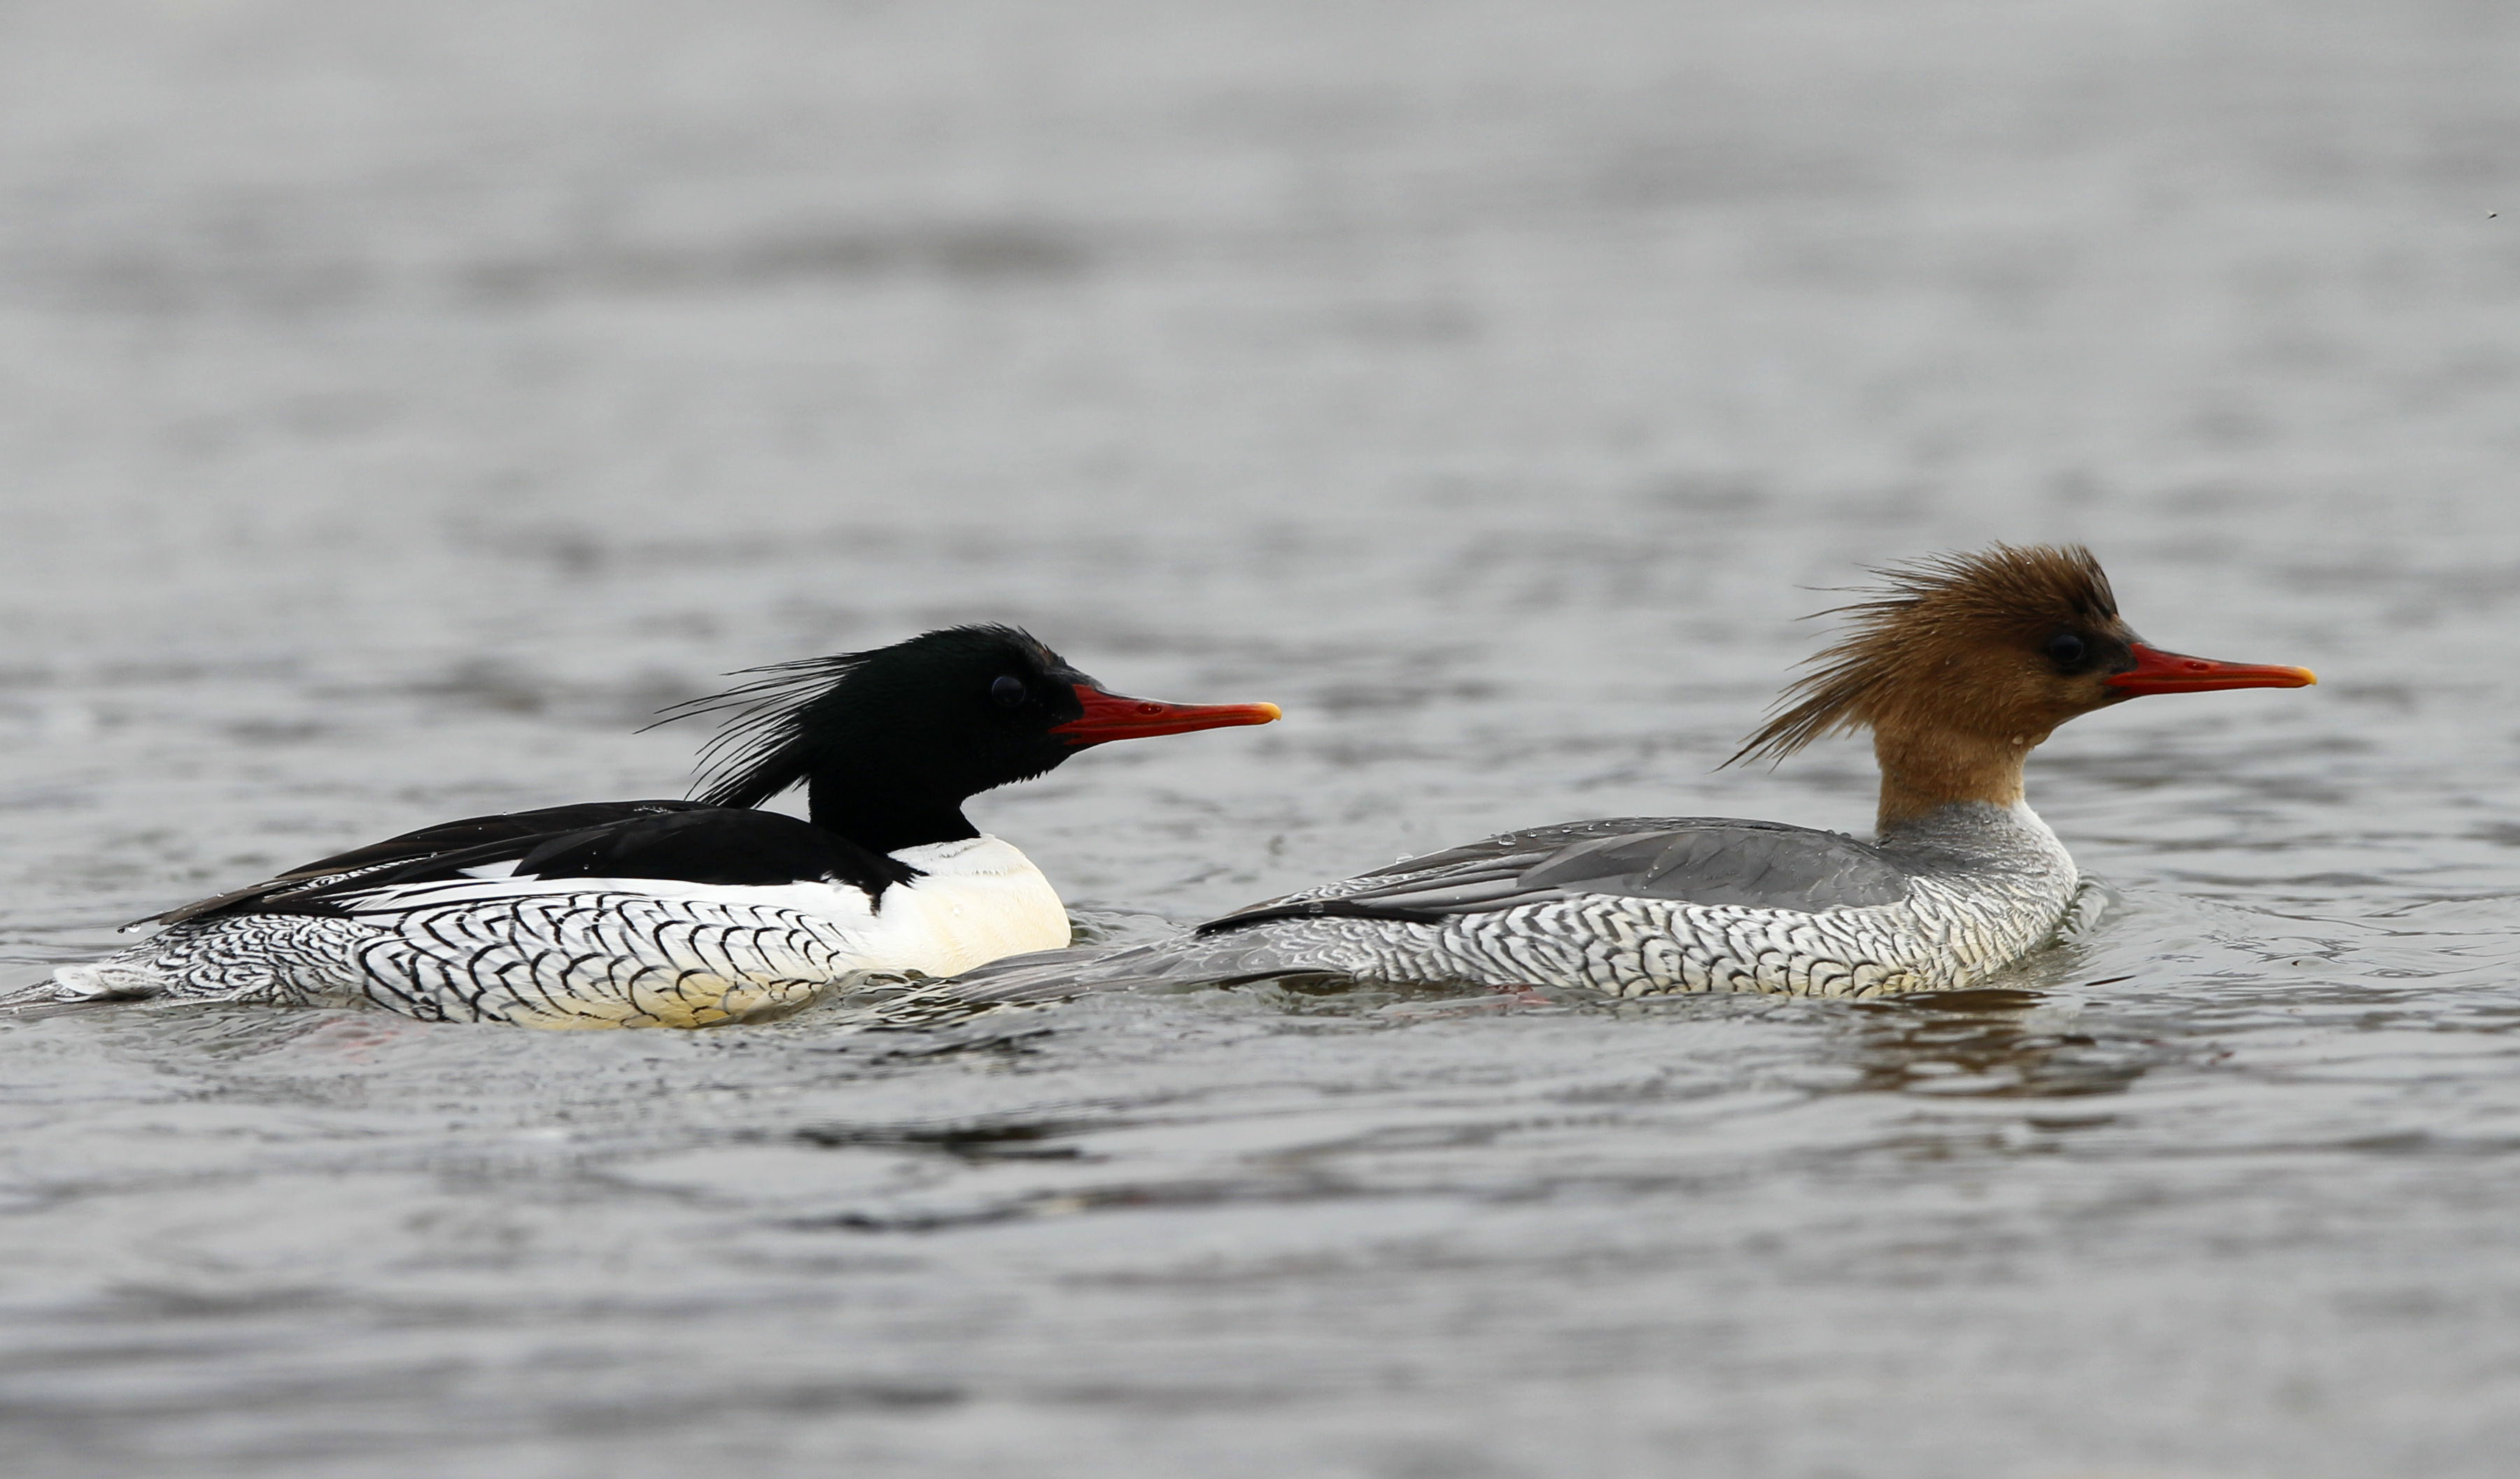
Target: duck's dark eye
point(2066, 650)
point(1010, 693)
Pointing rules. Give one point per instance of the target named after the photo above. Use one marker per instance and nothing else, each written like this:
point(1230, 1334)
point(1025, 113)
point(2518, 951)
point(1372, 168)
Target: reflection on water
point(1988, 1042)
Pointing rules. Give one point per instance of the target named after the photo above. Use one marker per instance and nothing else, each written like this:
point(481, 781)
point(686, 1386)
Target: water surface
point(401, 405)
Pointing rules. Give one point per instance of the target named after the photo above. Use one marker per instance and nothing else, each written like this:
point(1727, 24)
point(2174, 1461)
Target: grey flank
point(1609, 906)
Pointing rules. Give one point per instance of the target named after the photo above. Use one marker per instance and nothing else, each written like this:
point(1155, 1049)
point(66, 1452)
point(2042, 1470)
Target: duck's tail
point(83, 987)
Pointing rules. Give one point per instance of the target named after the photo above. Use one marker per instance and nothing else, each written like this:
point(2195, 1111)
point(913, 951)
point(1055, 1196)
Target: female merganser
point(681, 914)
point(1960, 667)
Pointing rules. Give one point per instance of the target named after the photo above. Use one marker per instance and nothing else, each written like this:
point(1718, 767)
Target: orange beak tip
point(2158, 672)
point(1113, 716)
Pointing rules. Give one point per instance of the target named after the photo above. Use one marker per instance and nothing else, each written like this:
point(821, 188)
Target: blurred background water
point(400, 402)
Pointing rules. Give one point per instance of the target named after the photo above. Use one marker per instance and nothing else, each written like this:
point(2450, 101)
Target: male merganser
point(681, 914)
point(1960, 667)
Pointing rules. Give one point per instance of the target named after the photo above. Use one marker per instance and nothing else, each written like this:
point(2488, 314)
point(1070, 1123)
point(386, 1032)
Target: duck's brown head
point(1961, 664)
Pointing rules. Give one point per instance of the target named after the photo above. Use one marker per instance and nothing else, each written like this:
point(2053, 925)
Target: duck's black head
point(892, 741)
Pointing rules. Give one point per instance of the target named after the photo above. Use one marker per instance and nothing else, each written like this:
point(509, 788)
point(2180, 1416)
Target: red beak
point(2158, 672)
point(1109, 717)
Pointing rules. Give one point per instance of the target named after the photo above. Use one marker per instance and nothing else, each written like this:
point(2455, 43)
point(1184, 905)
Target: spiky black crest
point(771, 744)
point(759, 751)
point(1924, 612)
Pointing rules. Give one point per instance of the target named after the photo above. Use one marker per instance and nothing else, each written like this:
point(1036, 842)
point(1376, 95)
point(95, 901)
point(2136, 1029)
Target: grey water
point(399, 403)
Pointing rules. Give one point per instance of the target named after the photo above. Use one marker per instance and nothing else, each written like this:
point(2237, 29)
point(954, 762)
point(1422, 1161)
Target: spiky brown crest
point(1926, 616)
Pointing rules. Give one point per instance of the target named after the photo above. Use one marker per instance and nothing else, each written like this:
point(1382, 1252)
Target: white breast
point(981, 899)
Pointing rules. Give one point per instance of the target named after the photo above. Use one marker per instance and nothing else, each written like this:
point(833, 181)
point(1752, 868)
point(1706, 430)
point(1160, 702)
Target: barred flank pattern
point(546, 960)
point(1988, 887)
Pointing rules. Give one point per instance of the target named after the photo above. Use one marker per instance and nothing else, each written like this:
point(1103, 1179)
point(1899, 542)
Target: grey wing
point(1691, 860)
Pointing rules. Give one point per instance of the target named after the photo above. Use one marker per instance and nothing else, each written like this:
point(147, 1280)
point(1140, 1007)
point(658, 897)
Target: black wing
point(683, 840)
point(1690, 860)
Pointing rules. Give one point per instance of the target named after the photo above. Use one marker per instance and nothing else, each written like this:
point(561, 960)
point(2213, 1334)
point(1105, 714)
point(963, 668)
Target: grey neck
point(1974, 834)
